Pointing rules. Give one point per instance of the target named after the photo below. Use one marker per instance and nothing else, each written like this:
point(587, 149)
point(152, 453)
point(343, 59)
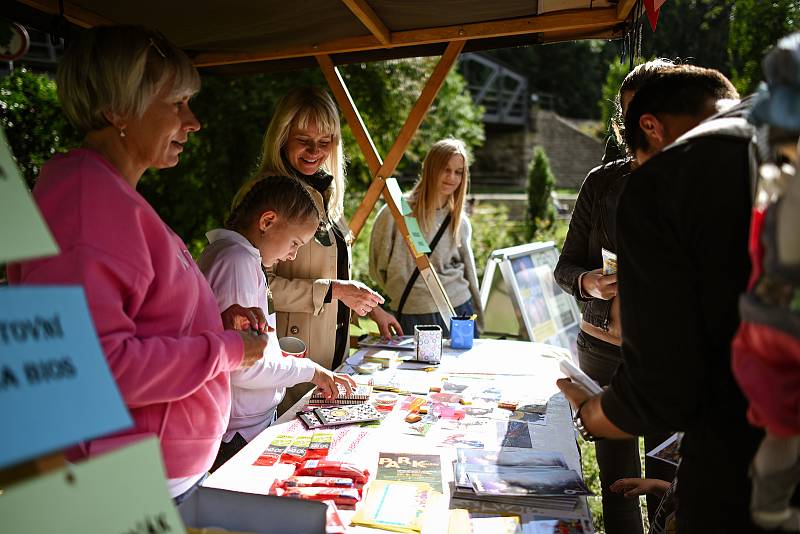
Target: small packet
point(609, 261)
point(323, 482)
point(320, 445)
point(331, 468)
point(273, 452)
point(345, 497)
point(296, 452)
point(334, 524)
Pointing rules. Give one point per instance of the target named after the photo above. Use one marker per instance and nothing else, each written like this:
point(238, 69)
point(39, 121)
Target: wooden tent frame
point(554, 26)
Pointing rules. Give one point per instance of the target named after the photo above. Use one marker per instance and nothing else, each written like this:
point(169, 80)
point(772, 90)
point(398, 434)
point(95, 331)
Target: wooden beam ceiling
point(75, 14)
point(370, 19)
point(624, 8)
point(593, 19)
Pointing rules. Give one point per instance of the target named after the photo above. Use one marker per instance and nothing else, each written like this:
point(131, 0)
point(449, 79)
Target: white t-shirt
point(232, 267)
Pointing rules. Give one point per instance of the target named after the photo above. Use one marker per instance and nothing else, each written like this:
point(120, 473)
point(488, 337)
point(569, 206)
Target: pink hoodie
point(153, 310)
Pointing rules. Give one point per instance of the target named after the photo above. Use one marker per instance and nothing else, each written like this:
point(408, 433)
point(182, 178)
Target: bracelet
point(580, 427)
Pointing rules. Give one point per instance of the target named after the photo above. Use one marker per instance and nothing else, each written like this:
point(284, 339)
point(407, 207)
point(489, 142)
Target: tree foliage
point(33, 122)
point(570, 74)
point(541, 181)
point(756, 26)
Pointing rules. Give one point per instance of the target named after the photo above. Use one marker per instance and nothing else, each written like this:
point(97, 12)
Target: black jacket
point(592, 227)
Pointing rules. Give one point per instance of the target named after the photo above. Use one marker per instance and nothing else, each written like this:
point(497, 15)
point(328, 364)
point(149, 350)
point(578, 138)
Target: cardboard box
point(248, 512)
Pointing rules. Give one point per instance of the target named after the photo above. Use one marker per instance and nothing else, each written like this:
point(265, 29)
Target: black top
point(321, 181)
point(683, 261)
point(592, 227)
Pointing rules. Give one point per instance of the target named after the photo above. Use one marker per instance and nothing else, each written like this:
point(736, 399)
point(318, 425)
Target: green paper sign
point(405, 207)
point(23, 232)
point(123, 491)
point(415, 234)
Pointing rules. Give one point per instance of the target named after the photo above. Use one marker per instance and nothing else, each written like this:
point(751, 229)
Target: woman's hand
point(387, 323)
point(240, 318)
point(355, 296)
point(599, 285)
point(633, 487)
point(327, 382)
point(254, 345)
point(614, 323)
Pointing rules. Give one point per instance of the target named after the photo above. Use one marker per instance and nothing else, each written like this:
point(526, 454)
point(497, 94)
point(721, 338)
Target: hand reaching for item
point(355, 296)
point(599, 285)
point(387, 323)
point(326, 382)
point(633, 487)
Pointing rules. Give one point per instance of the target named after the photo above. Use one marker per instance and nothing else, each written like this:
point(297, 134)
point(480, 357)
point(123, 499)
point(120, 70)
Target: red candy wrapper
point(320, 445)
point(344, 497)
point(334, 524)
point(274, 450)
point(296, 452)
point(331, 468)
point(323, 482)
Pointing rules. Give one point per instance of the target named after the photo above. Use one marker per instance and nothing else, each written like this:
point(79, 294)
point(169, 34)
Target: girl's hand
point(327, 382)
point(355, 296)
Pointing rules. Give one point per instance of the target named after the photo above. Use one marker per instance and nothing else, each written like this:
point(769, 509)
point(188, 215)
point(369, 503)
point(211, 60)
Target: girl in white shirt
point(274, 219)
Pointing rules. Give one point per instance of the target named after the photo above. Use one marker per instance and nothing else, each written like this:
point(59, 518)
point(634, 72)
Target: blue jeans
point(409, 320)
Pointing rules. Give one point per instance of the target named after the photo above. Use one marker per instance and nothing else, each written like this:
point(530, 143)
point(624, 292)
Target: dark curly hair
point(286, 196)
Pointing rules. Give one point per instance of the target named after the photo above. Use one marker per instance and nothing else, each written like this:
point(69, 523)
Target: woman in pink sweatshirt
point(128, 90)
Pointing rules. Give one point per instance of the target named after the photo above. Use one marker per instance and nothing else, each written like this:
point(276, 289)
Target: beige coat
point(298, 291)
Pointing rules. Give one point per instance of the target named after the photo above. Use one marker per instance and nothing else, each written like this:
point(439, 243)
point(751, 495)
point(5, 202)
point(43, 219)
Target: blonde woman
point(438, 201)
point(313, 294)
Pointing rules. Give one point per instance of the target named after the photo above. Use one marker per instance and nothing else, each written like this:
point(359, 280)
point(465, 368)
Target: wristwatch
point(579, 426)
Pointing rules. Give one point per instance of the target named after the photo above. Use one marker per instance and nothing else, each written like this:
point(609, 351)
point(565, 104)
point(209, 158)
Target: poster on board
point(521, 299)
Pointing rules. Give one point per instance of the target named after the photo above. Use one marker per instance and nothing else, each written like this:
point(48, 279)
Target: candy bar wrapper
point(609, 261)
point(334, 524)
point(323, 482)
point(320, 445)
point(296, 452)
point(331, 468)
point(343, 497)
point(273, 452)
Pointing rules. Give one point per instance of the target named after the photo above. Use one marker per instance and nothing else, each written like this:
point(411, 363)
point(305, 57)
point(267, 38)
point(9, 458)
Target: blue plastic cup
point(462, 332)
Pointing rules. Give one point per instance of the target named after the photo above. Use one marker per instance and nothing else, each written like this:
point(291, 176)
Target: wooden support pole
point(350, 111)
point(370, 19)
point(421, 107)
point(624, 8)
point(381, 183)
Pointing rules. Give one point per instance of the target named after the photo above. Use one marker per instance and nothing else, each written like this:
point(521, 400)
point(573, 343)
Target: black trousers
point(228, 450)
point(620, 458)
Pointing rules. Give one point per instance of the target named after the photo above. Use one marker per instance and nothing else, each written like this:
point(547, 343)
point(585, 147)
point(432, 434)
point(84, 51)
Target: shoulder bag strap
point(415, 274)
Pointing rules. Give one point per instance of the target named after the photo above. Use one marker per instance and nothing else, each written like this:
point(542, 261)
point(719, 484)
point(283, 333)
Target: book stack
point(359, 395)
point(517, 476)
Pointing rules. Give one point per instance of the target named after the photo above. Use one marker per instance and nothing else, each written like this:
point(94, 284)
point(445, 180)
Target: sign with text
point(23, 232)
point(123, 491)
point(55, 385)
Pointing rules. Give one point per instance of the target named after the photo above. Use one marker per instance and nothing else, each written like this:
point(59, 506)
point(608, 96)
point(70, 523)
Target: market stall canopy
point(244, 36)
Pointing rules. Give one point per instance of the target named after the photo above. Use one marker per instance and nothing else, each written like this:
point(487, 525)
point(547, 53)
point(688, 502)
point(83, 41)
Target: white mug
point(292, 346)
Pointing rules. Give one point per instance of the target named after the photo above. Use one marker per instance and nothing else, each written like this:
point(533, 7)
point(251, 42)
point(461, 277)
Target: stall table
point(533, 367)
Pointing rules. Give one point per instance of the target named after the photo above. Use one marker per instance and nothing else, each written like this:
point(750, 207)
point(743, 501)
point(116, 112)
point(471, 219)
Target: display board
point(521, 299)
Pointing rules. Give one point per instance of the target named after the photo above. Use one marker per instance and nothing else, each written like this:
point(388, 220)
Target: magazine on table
point(541, 483)
point(394, 343)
